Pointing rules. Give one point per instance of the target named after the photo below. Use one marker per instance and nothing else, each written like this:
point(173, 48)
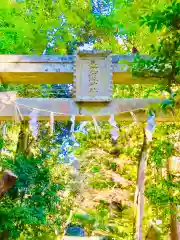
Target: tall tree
point(164, 65)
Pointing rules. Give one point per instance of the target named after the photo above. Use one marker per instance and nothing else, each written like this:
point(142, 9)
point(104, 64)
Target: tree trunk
point(173, 224)
point(7, 181)
point(178, 221)
point(171, 170)
point(23, 141)
point(4, 235)
point(139, 195)
point(153, 233)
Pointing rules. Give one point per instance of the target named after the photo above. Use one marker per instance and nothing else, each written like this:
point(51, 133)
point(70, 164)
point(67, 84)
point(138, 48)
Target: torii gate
point(92, 74)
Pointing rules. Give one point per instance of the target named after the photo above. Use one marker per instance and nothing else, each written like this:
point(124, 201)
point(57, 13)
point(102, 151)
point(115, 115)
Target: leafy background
point(49, 194)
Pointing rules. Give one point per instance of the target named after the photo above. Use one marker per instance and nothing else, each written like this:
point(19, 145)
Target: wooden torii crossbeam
point(54, 69)
point(92, 74)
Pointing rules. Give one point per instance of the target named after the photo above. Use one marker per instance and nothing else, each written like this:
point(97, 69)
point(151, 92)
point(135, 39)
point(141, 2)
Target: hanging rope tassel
point(18, 115)
point(134, 117)
point(114, 131)
point(4, 130)
point(96, 126)
point(72, 119)
point(150, 128)
point(73, 123)
point(52, 122)
point(82, 127)
point(33, 124)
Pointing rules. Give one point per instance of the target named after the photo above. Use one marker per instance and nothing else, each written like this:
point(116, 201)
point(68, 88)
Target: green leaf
point(95, 169)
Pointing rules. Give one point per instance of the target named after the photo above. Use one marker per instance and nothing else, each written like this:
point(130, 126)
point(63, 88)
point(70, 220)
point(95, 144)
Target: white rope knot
point(7, 100)
point(10, 99)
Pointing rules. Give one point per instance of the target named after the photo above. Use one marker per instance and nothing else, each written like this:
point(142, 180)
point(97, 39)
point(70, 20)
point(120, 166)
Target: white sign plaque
point(93, 76)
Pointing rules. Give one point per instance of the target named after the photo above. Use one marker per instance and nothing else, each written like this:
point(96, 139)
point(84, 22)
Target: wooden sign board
point(93, 76)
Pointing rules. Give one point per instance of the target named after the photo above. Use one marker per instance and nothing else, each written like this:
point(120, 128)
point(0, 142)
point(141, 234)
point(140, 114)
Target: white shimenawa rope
point(18, 114)
point(61, 113)
point(114, 131)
